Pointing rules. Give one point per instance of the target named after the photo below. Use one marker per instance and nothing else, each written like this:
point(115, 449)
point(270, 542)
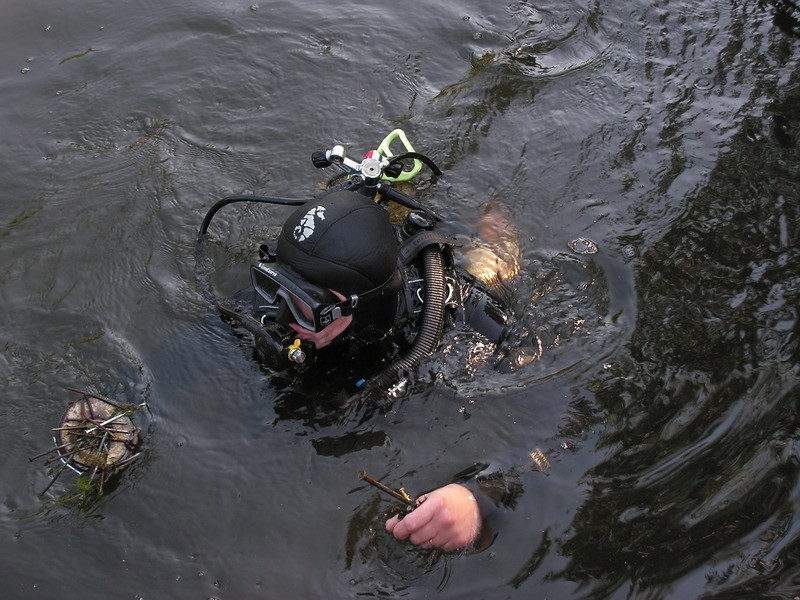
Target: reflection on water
point(701, 428)
point(645, 155)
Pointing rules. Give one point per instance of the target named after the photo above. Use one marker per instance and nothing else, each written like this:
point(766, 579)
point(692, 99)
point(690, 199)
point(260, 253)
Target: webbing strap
point(412, 246)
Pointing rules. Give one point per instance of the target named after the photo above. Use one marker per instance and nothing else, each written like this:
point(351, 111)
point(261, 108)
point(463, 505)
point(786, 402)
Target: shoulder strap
point(414, 245)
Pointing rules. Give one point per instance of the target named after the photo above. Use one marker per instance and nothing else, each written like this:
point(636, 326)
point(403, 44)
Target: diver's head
point(342, 243)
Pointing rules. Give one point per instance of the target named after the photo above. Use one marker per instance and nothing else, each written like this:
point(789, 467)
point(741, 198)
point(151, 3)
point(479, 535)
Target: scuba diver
point(344, 282)
point(342, 274)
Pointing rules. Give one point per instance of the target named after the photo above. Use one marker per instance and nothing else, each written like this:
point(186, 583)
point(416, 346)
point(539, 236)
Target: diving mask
point(313, 307)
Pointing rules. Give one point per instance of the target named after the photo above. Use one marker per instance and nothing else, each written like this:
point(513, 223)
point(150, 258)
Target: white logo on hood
point(307, 224)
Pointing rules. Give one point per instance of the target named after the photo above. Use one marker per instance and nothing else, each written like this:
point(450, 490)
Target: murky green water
point(663, 388)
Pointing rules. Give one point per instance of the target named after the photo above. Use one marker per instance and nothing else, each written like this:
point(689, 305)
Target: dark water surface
point(662, 383)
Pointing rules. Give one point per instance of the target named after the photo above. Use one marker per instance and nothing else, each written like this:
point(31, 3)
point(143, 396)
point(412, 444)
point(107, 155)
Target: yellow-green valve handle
point(385, 149)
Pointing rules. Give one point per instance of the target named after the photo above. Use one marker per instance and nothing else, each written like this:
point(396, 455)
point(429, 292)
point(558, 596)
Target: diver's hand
point(328, 334)
point(325, 336)
point(448, 519)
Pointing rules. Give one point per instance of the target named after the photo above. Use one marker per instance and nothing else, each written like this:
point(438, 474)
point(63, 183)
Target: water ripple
point(542, 39)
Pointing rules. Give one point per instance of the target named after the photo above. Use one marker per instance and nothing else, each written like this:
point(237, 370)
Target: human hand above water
point(324, 337)
point(448, 518)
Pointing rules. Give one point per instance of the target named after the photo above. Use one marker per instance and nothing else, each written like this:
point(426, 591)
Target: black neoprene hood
point(343, 241)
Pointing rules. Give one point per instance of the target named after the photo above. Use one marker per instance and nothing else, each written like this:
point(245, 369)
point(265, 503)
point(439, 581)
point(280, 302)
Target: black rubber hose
point(201, 273)
point(389, 193)
point(420, 157)
point(231, 199)
point(430, 331)
point(203, 280)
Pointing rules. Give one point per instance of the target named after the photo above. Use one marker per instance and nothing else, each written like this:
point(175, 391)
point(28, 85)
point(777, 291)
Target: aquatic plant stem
point(393, 493)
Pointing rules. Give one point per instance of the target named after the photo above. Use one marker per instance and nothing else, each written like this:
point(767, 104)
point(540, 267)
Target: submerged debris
point(96, 438)
point(583, 245)
point(539, 461)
